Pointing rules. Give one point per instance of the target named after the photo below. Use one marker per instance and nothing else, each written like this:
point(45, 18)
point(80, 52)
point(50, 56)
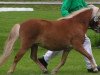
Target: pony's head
point(95, 21)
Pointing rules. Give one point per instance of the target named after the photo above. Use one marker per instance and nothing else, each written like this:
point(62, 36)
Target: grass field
point(75, 64)
point(41, 0)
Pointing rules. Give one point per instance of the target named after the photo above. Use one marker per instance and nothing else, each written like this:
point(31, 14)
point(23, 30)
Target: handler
point(68, 7)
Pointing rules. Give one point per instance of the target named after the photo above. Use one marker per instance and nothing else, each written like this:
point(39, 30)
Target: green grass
point(75, 64)
point(40, 0)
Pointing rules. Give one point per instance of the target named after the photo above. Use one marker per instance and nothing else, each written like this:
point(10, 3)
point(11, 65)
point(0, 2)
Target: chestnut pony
point(56, 35)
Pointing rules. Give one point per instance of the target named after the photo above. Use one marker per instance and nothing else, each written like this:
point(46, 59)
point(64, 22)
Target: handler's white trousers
point(87, 46)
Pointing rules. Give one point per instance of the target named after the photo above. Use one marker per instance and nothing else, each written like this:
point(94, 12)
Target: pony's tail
point(14, 34)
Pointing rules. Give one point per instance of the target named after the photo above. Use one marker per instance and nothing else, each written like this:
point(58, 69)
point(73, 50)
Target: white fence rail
point(53, 2)
point(5, 9)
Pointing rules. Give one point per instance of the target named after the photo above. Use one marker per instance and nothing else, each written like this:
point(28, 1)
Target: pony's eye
point(99, 17)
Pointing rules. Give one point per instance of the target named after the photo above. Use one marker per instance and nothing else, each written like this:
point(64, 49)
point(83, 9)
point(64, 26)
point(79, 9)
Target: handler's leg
point(48, 56)
point(87, 46)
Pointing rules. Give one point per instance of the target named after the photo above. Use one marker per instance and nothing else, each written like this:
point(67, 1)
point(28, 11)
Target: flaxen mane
point(95, 10)
point(74, 13)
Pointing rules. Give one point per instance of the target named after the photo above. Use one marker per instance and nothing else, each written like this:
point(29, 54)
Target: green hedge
point(94, 37)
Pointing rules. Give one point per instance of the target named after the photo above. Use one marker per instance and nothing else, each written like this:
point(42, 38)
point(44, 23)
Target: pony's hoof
point(95, 70)
point(9, 72)
point(45, 72)
point(53, 73)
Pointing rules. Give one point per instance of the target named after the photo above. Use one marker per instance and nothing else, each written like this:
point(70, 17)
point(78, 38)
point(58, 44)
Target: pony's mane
point(74, 13)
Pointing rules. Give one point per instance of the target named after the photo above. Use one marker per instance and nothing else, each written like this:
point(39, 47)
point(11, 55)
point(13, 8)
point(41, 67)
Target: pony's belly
point(54, 43)
point(55, 46)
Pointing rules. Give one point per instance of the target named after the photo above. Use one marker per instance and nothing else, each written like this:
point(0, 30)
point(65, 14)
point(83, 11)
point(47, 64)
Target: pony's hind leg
point(63, 60)
point(17, 58)
point(33, 56)
point(25, 46)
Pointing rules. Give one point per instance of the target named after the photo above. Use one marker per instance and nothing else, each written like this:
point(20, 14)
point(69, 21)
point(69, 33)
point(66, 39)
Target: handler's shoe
point(43, 62)
point(91, 70)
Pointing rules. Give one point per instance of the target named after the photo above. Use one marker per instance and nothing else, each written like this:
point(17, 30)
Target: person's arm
point(65, 7)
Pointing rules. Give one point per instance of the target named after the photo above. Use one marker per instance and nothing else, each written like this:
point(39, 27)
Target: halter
point(96, 19)
point(94, 23)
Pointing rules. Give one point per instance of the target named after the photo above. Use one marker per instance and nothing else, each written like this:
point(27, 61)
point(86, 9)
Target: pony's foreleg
point(63, 60)
point(33, 56)
point(79, 47)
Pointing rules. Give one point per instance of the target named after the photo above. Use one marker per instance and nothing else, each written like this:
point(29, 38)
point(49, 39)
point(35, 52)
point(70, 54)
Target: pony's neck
point(84, 17)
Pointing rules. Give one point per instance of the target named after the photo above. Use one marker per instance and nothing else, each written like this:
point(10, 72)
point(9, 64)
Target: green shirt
point(70, 6)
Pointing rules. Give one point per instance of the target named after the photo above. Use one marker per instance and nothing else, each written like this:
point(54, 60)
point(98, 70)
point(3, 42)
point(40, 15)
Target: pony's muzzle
point(97, 29)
